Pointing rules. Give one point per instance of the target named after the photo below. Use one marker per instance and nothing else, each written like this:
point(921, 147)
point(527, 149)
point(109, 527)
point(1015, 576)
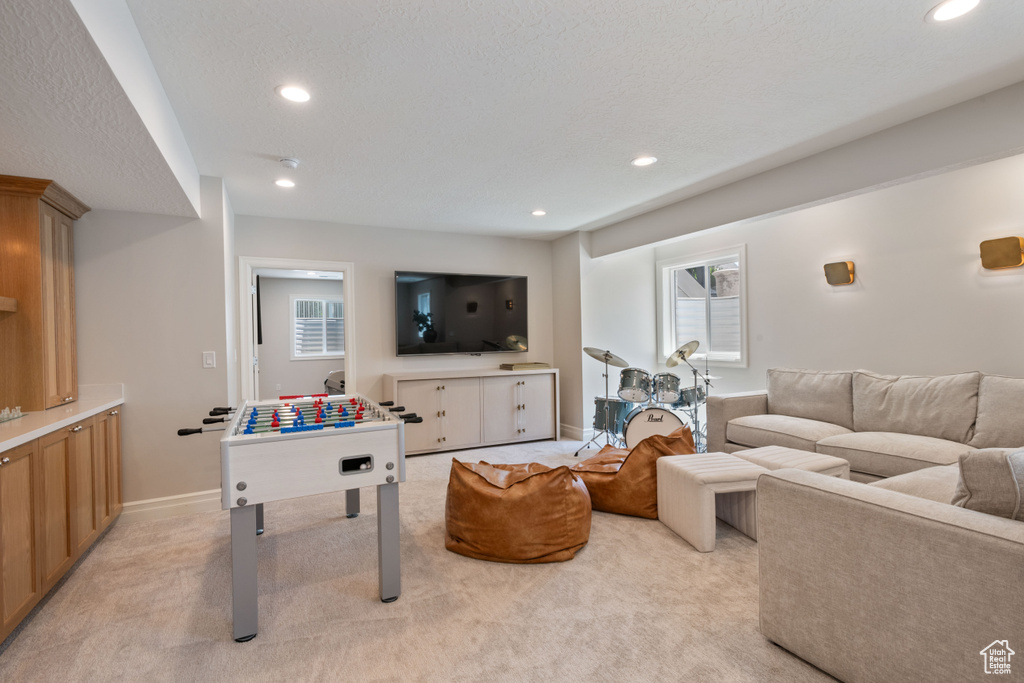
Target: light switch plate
point(209, 359)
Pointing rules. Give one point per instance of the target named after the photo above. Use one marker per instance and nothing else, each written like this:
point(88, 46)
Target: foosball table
point(302, 446)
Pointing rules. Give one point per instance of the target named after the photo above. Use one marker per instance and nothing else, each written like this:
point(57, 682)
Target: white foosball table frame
point(264, 467)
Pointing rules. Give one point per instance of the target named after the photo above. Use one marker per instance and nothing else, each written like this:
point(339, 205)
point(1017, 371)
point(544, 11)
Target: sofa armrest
point(721, 409)
point(875, 585)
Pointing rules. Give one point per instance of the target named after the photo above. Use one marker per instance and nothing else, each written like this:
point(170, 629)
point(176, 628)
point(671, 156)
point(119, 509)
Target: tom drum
point(635, 385)
point(615, 418)
point(644, 422)
point(666, 387)
point(689, 398)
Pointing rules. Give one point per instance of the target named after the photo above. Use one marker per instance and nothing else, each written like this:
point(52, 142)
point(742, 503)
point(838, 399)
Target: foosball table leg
point(389, 561)
point(244, 607)
point(352, 503)
point(259, 519)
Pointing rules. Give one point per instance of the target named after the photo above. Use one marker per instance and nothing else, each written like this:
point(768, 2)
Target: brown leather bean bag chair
point(626, 481)
point(516, 513)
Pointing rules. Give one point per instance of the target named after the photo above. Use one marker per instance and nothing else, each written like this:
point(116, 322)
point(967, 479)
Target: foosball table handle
point(186, 432)
point(387, 403)
point(213, 420)
point(221, 411)
point(413, 420)
point(397, 409)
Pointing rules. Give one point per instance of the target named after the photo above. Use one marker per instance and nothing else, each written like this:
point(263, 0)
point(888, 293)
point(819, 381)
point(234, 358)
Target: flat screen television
point(453, 313)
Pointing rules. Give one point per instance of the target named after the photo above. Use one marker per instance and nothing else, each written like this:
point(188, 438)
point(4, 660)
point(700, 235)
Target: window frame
point(325, 300)
point(667, 313)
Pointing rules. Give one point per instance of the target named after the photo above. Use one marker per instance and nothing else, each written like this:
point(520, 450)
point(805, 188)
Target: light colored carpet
point(153, 602)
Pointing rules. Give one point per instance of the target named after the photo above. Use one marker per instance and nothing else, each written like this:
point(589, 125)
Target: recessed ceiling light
point(540, 212)
point(644, 161)
point(284, 182)
point(951, 9)
point(293, 93)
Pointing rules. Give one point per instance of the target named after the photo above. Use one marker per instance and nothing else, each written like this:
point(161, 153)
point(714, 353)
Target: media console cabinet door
point(502, 408)
point(423, 397)
point(538, 401)
point(460, 412)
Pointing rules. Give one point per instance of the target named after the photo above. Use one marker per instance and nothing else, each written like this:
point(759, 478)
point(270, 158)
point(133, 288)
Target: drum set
point(647, 405)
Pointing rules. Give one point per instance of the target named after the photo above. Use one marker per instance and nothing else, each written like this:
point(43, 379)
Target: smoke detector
point(289, 162)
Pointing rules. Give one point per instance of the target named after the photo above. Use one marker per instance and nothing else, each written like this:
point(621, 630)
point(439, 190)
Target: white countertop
point(92, 399)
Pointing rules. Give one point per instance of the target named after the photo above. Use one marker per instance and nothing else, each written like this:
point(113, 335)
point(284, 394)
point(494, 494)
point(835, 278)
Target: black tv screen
point(450, 313)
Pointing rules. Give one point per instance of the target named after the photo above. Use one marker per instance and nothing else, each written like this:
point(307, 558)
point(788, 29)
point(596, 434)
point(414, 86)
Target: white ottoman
point(694, 489)
point(779, 457)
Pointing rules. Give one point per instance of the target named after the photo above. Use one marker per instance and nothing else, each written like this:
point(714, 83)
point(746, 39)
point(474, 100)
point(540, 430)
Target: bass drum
point(644, 422)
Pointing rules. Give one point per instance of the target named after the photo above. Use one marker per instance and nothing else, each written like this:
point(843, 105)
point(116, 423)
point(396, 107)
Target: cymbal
point(605, 357)
point(516, 342)
point(682, 353)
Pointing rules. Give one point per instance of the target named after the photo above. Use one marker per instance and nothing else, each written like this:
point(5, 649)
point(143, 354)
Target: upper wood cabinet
point(37, 252)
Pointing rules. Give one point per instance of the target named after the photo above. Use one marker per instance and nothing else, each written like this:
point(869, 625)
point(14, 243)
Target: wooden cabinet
point(57, 494)
point(39, 367)
point(467, 409)
point(20, 582)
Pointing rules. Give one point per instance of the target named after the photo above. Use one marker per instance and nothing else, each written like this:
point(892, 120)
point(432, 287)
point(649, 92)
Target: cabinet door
point(460, 412)
point(501, 409)
point(537, 417)
point(115, 502)
point(85, 522)
point(20, 583)
point(422, 397)
point(55, 544)
point(101, 490)
point(60, 369)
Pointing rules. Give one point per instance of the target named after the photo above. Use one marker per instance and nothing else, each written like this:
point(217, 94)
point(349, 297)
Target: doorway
point(309, 301)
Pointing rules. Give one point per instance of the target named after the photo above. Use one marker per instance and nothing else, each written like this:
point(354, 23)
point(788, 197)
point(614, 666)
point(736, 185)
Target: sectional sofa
point(884, 425)
point(889, 581)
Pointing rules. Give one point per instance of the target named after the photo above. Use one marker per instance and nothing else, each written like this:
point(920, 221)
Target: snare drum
point(689, 398)
point(616, 414)
point(666, 387)
point(635, 385)
point(645, 422)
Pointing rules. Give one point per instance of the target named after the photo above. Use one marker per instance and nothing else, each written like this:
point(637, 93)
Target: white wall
point(377, 253)
point(566, 260)
point(150, 298)
point(921, 302)
point(279, 374)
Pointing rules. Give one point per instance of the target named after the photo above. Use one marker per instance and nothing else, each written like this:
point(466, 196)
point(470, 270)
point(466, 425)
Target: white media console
point(469, 408)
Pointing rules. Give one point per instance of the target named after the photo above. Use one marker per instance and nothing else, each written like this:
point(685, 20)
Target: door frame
point(247, 267)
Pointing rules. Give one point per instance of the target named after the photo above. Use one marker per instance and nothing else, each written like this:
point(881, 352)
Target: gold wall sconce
point(1005, 252)
point(839, 273)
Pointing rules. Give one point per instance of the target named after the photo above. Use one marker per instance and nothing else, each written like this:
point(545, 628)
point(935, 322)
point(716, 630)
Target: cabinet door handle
point(66, 399)
point(444, 438)
point(439, 413)
point(76, 429)
point(444, 414)
point(5, 461)
point(112, 412)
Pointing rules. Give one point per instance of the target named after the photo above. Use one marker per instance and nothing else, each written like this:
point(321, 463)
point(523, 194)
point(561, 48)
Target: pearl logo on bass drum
point(655, 418)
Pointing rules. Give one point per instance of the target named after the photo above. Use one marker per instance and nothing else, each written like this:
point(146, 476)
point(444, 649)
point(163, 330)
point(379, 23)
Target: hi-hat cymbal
point(515, 342)
point(682, 353)
point(605, 357)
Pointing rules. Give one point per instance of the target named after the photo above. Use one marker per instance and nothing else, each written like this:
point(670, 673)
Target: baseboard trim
point(572, 433)
point(171, 506)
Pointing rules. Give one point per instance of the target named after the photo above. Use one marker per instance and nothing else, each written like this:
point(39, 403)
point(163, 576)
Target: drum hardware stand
point(606, 357)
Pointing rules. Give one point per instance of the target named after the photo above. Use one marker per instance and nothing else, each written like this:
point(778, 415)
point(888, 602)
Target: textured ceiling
point(64, 117)
point(465, 115)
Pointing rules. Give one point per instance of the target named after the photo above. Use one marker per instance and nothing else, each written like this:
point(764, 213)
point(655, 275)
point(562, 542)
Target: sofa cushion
point(1000, 406)
point(941, 407)
point(825, 396)
point(932, 483)
point(886, 454)
point(780, 430)
point(992, 481)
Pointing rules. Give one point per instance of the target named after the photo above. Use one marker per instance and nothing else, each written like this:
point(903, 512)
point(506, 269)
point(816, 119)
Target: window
point(423, 306)
point(701, 298)
point(318, 328)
